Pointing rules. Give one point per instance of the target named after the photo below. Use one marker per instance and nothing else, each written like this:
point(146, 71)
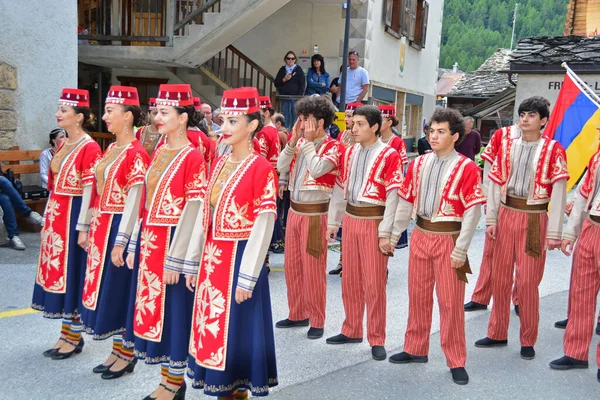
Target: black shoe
point(63, 356)
point(487, 342)
point(527, 352)
point(102, 368)
point(179, 394)
point(459, 375)
point(342, 339)
point(107, 375)
point(49, 352)
point(598, 376)
point(288, 323)
point(567, 362)
point(378, 353)
point(315, 333)
point(598, 329)
point(405, 358)
point(561, 324)
point(268, 270)
point(277, 248)
point(474, 306)
point(337, 270)
point(517, 310)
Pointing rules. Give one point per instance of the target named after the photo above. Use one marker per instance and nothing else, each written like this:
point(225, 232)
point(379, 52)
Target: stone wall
point(8, 115)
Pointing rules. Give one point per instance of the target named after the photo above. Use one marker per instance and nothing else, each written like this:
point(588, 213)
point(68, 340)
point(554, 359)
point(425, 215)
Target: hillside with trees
point(473, 29)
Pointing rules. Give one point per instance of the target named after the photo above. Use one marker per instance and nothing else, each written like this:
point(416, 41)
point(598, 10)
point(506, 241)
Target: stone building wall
point(8, 115)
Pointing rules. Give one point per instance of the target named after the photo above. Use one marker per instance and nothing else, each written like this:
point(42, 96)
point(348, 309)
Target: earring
point(180, 133)
point(251, 145)
point(78, 128)
point(126, 131)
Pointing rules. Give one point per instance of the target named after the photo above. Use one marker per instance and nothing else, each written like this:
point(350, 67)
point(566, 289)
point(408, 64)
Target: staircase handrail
point(249, 61)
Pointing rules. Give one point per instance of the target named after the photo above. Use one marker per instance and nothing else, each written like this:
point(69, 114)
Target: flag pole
point(581, 82)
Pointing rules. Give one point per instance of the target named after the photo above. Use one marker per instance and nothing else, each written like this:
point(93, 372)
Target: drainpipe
point(345, 57)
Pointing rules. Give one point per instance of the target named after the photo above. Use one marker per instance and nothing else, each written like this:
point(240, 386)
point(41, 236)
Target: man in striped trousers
point(584, 223)
point(528, 173)
point(442, 190)
point(312, 159)
point(367, 192)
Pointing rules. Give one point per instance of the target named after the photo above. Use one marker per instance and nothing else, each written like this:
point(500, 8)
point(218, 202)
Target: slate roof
point(574, 50)
point(486, 81)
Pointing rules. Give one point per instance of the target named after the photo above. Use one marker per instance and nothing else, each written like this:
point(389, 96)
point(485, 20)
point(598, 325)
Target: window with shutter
point(413, 20)
point(425, 17)
point(392, 17)
point(405, 17)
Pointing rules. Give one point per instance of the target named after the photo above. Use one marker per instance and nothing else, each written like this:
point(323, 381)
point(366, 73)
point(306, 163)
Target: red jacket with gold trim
point(77, 169)
point(183, 180)
point(250, 191)
point(385, 174)
point(127, 170)
point(587, 187)
point(268, 138)
point(495, 143)
point(550, 163)
point(461, 191)
point(398, 144)
point(344, 138)
point(330, 150)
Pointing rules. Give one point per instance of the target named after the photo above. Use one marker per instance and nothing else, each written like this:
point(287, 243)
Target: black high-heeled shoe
point(49, 352)
point(63, 356)
point(99, 369)
point(117, 374)
point(179, 394)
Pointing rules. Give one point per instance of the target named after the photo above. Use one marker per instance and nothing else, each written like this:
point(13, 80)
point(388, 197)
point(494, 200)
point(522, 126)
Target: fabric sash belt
point(595, 218)
point(451, 228)
point(533, 243)
point(314, 245)
point(369, 212)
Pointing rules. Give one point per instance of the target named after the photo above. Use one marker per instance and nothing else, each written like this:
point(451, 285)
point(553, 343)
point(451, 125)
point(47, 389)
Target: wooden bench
point(24, 162)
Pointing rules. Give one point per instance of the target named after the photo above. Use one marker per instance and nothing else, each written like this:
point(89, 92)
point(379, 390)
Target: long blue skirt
point(173, 347)
point(251, 362)
point(66, 305)
point(110, 315)
point(403, 242)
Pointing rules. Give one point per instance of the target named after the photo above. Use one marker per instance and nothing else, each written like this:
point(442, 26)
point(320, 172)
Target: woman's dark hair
point(200, 117)
point(288, 53)
point(394, 120)
point(88, 118)
point(372, 114)
point(53, 134)
point(537, 104)
point(319, 107)
point(139, 117)
point(426, 128)
point(317, 57)
point(203, 126)
point(193, 117)
point(258, 117)
point(453, 118)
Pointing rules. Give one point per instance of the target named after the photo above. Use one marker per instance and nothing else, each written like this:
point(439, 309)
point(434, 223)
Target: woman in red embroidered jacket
point(232, 346)
point(61, 267)
point(115, 204)
point(162, 310)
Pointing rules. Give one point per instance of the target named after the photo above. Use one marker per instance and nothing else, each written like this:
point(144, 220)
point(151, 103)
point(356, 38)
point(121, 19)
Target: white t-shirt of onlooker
point(356, 79)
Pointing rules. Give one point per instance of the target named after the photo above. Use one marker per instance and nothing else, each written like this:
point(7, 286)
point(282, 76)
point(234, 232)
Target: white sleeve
point(486, 177)
point(493, 204)
point(285, 159)
point(133, 240)
point(578, 215)
point(401, 219)
point(183, 234)
point(83, 221)
point(255, 251)
point(391, 205)
point(130, 214)
point(337, 208)
point(45, 159)
point(317, 166)
point(556, 216)
point(467, 231)
point(193, 254)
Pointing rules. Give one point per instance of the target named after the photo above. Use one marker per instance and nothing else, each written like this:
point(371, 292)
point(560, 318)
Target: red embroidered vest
point(495, 143)
point(330, 150)
point(268, 139)
point(587, 187)
point(77, 169)
point(398, 144)
point(461, 191)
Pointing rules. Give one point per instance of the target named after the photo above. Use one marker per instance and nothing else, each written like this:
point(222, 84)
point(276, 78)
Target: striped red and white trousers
point(585, 283)
point(509, 247)
point(429, 265)
point(483, 287)
point(364, 280)
point(305, 275)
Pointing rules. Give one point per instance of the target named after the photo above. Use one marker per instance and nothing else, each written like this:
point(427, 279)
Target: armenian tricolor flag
point(573, 123)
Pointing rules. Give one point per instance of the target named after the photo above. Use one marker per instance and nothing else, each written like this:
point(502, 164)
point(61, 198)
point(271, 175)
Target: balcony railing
point(235, 69)
point(139, 22)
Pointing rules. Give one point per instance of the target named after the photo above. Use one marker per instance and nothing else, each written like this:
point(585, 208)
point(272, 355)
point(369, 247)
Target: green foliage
point(474, 29)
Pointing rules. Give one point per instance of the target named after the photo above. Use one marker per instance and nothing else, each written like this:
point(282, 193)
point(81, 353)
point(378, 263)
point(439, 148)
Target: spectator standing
point(217, 119)
point(213, 129)
point(357, 77)
point(471, 144)
point(290, 78)
point(56, 138)
point(317, 79)
point(423, 145)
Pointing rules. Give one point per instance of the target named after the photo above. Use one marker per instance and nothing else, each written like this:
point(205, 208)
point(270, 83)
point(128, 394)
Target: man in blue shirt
point(358, 79)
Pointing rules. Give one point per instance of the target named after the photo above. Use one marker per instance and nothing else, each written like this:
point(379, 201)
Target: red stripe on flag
point(567, 95)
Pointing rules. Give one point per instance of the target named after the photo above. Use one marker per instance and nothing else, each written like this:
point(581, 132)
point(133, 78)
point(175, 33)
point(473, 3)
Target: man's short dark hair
point(279, 118)
point(537, 104)
point(453, 118)
point(372, 114)
point(320, 107)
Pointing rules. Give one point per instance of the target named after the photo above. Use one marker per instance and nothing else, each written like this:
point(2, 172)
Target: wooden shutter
point(413, 19)
point(424, 18)
point(405, 17)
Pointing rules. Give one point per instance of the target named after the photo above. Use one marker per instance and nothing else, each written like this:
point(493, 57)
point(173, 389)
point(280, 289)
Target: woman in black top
point(290, 79)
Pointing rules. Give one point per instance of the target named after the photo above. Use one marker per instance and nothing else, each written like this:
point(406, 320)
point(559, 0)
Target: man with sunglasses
point(357, 79)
